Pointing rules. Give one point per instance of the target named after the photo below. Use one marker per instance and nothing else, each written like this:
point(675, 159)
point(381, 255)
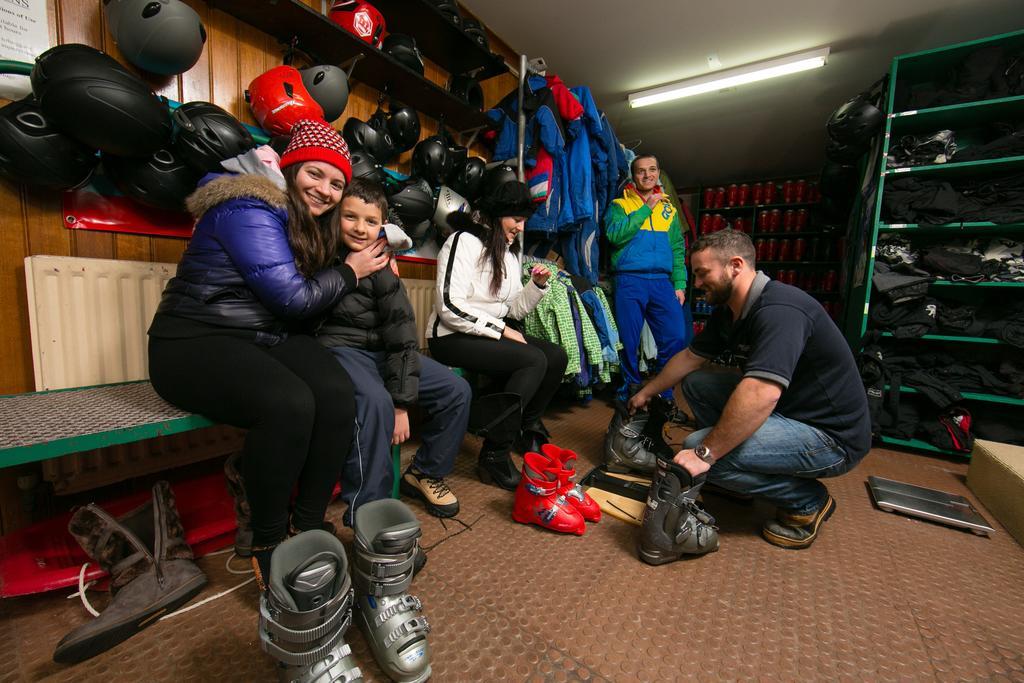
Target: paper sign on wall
point(24, 35)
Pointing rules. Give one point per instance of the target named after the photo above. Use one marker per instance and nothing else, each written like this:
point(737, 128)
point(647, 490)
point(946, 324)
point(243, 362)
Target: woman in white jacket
point(479, 289)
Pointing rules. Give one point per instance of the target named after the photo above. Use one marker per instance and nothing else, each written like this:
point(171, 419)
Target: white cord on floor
point(227, 566)
point(81, 591)
point(209, 599)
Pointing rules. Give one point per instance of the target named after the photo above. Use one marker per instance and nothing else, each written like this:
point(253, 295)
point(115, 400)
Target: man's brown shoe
point(435, 494)
point(797, 531)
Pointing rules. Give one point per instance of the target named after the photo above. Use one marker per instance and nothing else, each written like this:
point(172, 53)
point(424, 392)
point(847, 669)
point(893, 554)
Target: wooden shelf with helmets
point(911, 117)
point(296, 24)
point(780, 216)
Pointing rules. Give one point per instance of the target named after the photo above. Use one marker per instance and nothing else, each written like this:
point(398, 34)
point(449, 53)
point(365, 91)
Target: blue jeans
point(781, 462)
point(443, 396)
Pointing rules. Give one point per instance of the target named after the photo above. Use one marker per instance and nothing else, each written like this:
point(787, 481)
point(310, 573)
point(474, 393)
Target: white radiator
point(89, 317)
point(421, 294)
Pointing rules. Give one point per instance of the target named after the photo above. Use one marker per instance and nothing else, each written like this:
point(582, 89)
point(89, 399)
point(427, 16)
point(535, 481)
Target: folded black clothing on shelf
point(963, 321)
point(1006, 140)
point(897, 287)
point(1009, 331)
point(919, 150)
point(944, 261)
point(905, 320)
point(912, 200)
point(984, 74)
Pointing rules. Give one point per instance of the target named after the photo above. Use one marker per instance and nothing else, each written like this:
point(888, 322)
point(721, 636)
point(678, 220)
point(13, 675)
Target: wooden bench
point(88, 321)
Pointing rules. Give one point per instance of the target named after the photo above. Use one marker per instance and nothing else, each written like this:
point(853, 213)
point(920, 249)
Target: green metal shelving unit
point(922, 68)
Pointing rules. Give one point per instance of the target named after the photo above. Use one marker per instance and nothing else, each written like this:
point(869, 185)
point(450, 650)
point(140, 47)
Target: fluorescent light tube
point(730, 78)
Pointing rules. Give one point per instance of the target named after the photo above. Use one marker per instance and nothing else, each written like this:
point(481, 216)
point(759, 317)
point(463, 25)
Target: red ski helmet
point(359, 18)
point(279, 100)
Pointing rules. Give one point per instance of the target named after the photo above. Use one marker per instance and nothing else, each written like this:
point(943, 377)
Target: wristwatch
point(704, 453)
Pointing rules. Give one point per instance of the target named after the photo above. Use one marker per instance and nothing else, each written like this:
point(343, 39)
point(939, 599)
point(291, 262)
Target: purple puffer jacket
point(239, 270)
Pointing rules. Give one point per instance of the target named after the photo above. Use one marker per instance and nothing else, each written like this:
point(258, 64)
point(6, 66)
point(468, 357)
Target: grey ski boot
point(633, 442)
point(306, 610)
point(386, 533)
point(150, 566)
point(674, 524)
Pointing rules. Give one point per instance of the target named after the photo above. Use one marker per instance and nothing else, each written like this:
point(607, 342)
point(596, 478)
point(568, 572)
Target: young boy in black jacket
point(372, 332)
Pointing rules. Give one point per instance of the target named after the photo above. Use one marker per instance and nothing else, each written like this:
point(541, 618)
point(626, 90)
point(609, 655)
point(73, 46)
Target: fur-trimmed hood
point(230, 186)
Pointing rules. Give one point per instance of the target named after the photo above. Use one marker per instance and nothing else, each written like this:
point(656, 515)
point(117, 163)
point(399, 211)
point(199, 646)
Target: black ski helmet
point(360, 135)
point(403, 48)
point(379, 122)
point(32, 151)
point(205, 135)
point(413, 202)
point(404, 126)
point(162, 180)
point(449, 9)
point(856, 122)
point(475, 30)
point(279, 143)
point(496, 176)
point(87, 94)
point(328, 85)
point(161, 36)
point(365, 166)
point(468, 179)
point(467, 88)
point(431, 160)
point(842, 153)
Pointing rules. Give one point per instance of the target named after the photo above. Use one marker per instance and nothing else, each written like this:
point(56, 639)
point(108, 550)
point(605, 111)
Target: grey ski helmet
point(431, 160)
point(448, 202)
point(90, 96)
point(328, 85)
point(32, 151)
point(161, 36)
point(467, 88)
point(404, 126)
point(161, 181)
point(205, 135)
point(403, 48)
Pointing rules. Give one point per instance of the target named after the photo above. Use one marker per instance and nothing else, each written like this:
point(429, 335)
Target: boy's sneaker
point(434, 492)
point(797, 531)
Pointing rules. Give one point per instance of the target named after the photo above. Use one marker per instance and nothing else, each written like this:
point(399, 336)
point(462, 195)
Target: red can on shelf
point(813, 282)
point(759, 250)
point(719, 197)
point(785, 250)
point(757, 193)
point(744, 195)
point(788, 220)
point(800, 191)
point(813, 194)
point(739, 224)
point(764, 221)
point(705, 223)
point(787, 192)
point(709, 198)
point(791, 277)
point(799, 249)
point(776, 220)
point(771, 250)
point(769, 193)
point(732, 194)
point(830, 281)
point(801, 220)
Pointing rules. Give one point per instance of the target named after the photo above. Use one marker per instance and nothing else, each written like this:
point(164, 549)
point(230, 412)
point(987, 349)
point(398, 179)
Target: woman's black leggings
point(295, 400)
point(533, 370)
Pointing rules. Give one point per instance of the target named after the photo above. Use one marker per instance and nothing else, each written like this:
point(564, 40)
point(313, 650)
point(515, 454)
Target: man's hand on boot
point(639, 401)
point(691, 463)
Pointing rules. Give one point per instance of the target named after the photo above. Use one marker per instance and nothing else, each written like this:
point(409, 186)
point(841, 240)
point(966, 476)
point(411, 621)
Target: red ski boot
point(565, 461)
point(538, 500)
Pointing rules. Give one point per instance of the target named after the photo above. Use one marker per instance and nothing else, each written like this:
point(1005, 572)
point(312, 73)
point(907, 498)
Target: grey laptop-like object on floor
point(938, 506)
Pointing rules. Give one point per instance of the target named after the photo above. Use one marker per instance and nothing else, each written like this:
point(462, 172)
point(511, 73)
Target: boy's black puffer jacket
point(377, 316)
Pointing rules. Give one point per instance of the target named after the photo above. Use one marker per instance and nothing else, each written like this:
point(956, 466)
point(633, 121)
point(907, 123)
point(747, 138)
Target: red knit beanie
point(314, 140)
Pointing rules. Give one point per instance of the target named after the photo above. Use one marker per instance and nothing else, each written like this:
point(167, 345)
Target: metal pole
point(522, 120)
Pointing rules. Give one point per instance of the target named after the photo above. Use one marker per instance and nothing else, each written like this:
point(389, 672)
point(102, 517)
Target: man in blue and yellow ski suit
point(649, 263)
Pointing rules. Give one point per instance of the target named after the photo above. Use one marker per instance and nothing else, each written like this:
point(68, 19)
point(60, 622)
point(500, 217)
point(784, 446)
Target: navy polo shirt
point(784, 335)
